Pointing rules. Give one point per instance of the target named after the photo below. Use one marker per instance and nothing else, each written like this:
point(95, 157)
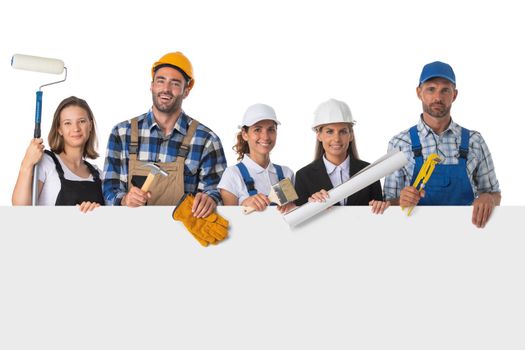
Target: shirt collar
point(331, 167)
point(426, 130)
point(181, 125)
point(256, 168)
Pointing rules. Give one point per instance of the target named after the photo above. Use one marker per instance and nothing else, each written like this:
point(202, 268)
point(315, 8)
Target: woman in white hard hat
point(336, 160)
point(249, 182)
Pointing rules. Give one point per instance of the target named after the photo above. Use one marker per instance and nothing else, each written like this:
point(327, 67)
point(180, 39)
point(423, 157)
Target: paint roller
point(37, 64)
point(42, 65)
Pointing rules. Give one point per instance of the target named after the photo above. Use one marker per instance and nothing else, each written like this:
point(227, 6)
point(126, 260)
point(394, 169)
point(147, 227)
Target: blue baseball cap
point(437, 70)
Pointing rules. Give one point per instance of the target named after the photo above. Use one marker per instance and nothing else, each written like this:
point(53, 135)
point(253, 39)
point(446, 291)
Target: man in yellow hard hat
point(188, 151)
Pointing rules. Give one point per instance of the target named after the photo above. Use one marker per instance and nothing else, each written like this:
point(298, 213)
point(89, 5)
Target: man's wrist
point(120, 200)
point(215, 196)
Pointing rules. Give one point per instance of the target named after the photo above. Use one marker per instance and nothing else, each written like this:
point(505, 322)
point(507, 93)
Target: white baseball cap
point(332, 111)
point(258, 112)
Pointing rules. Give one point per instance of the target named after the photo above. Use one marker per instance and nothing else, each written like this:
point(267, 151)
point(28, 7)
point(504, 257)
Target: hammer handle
point(147, 183)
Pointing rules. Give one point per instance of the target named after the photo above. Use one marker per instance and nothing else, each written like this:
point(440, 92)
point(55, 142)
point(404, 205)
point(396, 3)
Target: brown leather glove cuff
point(183, 208)
point(212, 229)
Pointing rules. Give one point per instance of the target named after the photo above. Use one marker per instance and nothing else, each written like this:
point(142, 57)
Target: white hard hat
point(258, 112)
point(332, 111)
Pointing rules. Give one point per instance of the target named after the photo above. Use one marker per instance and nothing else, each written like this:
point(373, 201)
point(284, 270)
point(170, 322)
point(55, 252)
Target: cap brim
point(438, 76)
point(258, 120)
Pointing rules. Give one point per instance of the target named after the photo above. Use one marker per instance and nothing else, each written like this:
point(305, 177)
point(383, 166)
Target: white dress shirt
point(338, 174)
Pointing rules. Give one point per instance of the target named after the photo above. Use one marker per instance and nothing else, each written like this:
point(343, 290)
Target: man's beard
point(440, 113)
point(168, 108)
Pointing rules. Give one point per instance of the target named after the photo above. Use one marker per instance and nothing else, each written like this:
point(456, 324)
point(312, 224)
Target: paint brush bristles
point(283, 192)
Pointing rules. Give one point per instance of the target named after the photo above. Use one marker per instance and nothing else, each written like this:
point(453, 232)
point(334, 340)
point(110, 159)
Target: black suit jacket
point(313, 178)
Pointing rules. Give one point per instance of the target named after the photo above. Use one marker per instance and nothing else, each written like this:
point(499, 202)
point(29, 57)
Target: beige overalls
point(165, 190)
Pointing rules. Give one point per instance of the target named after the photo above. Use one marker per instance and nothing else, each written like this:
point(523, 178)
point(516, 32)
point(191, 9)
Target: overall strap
point(58, 167)
point(417, 150)
point(248, 181)
point(416, 143)
point(184, 149)
point(279, 169)
point(94, 172)
point(463, 147)
point(134, 143)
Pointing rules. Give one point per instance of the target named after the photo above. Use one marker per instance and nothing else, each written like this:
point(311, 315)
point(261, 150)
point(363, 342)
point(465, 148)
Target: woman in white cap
point(336, 160)
point(249, 182)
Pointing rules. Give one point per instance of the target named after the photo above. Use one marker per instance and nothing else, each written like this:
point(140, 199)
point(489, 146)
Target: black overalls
point(76, 192)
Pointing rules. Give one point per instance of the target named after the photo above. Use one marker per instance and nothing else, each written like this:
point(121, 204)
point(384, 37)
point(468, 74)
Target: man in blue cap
point(466, 174)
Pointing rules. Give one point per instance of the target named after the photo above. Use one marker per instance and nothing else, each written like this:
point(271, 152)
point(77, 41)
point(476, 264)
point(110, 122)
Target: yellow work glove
point(211, 229)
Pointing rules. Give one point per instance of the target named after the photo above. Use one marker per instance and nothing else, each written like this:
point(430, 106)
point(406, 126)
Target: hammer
point(155, 169)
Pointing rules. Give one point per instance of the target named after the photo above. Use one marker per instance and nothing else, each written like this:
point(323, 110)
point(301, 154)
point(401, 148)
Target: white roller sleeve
point(382, 167)
point(37, 64)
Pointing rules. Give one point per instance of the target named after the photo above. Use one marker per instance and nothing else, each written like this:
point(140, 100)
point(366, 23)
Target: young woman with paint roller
point(249, 182)
point(64, 176)
point(336, 160)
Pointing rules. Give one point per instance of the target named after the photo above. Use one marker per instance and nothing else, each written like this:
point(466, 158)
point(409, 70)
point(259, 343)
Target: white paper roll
point(37, 64)
point(380, 168)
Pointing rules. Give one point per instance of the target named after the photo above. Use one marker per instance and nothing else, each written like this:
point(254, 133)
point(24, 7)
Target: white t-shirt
point(47, 173)
point(232, 181)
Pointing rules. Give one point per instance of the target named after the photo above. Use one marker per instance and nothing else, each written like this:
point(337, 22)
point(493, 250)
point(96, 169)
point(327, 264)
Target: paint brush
point(281, 193)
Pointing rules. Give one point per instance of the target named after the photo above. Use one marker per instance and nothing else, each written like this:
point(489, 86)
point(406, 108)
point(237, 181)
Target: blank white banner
point(120, 278)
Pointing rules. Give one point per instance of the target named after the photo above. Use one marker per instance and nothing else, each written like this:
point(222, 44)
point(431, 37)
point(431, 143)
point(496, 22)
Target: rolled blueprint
point(382, 167)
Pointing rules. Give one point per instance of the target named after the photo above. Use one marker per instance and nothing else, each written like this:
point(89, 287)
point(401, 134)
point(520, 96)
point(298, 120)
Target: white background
point(291, 55)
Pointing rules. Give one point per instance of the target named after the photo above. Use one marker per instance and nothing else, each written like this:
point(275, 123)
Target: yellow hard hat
point(178, 61)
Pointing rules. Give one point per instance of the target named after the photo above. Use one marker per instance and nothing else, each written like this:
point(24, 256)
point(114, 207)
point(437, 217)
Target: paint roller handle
point(36, 135)
point(34, 186)
point(38, 114)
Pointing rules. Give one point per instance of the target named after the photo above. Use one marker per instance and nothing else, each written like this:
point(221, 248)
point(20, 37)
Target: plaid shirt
point(480, 168)
point(203, 166)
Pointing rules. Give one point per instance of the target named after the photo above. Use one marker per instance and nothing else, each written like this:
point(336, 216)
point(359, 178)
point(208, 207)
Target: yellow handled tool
point(424, 174)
